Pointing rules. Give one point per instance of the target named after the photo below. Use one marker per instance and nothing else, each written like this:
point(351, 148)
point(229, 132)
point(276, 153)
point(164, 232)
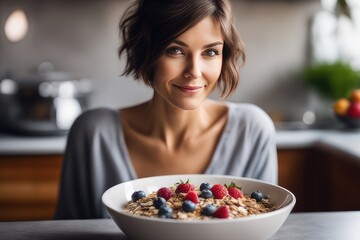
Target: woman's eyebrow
point(181, 43)
point(213, 44)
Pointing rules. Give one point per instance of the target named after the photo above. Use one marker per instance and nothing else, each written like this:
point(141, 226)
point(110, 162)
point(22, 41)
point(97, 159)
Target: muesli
point(184, 201)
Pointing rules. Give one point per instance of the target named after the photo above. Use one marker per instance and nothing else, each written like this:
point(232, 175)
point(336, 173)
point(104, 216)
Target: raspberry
point(184, 187)
point(165, 193)
point(192, 196)
point(221, 212)
point(234, 191)
point(219, 191)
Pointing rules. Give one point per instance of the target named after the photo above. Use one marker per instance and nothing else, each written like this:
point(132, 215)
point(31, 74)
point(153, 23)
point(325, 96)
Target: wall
point(81, 37)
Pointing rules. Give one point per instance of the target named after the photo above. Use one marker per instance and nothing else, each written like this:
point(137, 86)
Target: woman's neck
point(172, 125)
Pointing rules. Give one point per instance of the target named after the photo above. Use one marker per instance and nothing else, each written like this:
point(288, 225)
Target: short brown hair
point(148, 27)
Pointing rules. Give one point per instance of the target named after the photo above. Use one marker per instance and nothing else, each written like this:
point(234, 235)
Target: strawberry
point(184, 187)
point(221, 212)
point(219, 191)
point(234, 191)
point(165, 193)
point(192, 196)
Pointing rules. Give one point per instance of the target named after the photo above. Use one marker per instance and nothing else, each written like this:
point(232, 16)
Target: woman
point(183, 50)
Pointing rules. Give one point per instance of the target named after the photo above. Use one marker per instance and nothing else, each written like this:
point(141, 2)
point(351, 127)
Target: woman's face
point(188, 71)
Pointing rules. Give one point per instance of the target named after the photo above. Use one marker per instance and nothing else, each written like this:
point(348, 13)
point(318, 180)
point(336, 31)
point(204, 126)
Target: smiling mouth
point(189, 89)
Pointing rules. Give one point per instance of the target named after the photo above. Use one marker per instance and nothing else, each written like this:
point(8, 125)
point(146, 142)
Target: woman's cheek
point(213, 69)
point(168, 69)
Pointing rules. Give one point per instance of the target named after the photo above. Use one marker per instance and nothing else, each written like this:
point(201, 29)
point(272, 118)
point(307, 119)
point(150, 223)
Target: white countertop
point(28, 145)
point(335, 225)
point(346, 141)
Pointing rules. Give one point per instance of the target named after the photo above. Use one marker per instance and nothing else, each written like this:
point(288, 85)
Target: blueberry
point(208, 210)
point(257, 195)
point(165, 211)
point(137, 195)
point(188, 206)
point(158, 202)
point(206, 186)
point(206, 194)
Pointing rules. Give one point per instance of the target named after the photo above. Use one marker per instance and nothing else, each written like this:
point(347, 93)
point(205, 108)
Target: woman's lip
point(189, 89)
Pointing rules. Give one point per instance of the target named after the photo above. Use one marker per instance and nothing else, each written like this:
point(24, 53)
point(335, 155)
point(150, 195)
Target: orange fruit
point(341, 106)
point(355, 95)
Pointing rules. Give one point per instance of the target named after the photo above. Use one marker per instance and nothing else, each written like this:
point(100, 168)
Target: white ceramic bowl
point(145, 228)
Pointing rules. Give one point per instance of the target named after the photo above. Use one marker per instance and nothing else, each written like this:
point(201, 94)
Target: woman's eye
point(211, 53)
point(173, 51)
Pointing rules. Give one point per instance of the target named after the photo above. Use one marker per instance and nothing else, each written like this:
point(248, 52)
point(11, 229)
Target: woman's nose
point(193, 68)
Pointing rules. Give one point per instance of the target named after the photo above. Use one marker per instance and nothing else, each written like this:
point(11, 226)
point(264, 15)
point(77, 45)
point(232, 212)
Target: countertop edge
point(346, 142)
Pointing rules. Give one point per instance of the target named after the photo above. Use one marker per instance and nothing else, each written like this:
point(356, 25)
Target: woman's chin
point(188, 104)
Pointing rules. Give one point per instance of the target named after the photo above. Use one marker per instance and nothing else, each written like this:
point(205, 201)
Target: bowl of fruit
point(198, 206)
point(347, 110)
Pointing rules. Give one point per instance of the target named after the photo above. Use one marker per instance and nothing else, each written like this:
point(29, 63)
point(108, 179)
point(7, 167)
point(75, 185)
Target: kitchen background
point(81, 37)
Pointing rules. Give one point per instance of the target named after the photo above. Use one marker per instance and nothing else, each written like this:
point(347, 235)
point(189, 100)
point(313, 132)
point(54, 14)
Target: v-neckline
point(216, 155)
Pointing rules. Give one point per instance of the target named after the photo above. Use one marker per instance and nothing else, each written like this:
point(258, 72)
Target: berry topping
point(158, 202)
point(206, 194)
point(188, 206)
point(192, 196)
point(219, 191)
point(234, 191)
point(221, 212)
point(206, 186)
point(184, 187)
point(137, 195)
point(165, 193)
point(165, 211)
point(221, 201)
point(208, 210)
point(257, 195)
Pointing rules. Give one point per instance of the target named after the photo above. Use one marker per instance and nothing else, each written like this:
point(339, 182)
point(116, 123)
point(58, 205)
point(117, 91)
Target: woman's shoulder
point(250, 116)
point(96, 118)
point(98, 114)
point(246, 109)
